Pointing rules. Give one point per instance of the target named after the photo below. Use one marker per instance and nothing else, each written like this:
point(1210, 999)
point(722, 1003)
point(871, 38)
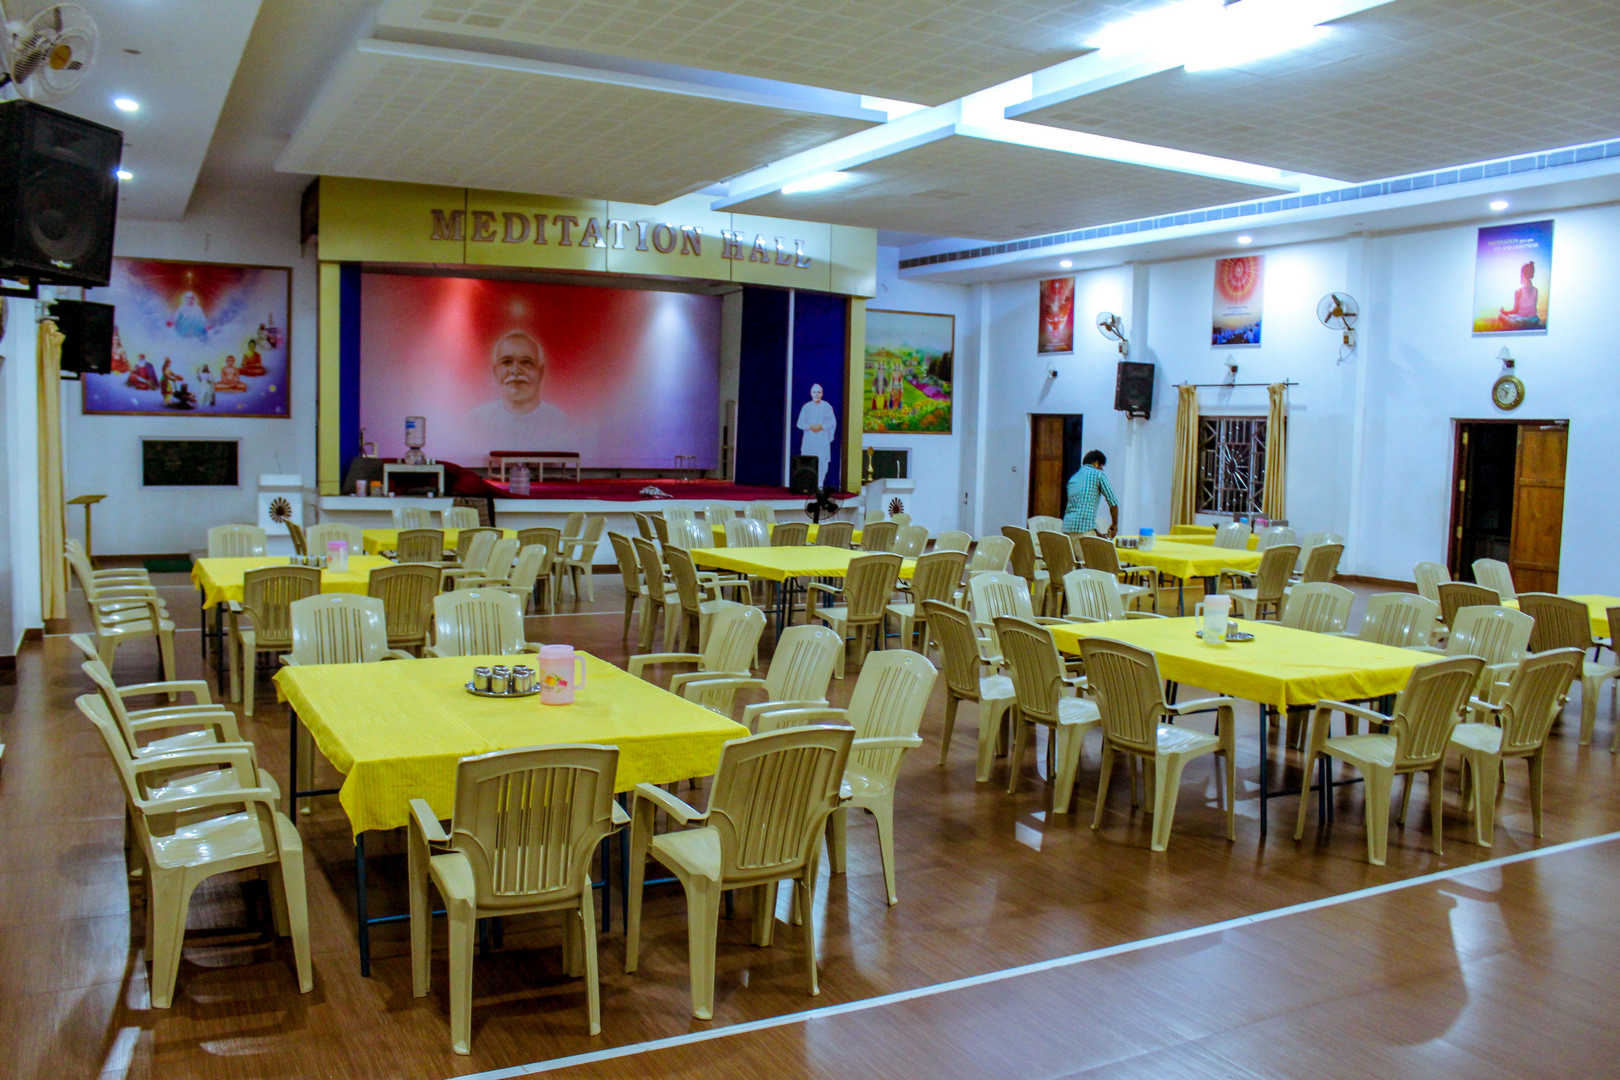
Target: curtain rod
point(1232, 384)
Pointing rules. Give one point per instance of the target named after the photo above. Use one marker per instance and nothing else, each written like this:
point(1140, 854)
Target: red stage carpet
point(463, 481)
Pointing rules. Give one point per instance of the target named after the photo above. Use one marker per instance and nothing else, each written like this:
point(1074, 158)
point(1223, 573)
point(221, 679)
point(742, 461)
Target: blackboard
point(189, 462)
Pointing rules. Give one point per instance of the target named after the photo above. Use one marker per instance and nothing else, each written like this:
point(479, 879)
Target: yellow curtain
point(1184, 475)
point(1274, 499)
point(52, 510)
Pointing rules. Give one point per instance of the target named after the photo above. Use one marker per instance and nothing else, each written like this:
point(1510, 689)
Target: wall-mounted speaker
point(87, 332)
point(58, 195)
point(803, 474)
point(1133, 389)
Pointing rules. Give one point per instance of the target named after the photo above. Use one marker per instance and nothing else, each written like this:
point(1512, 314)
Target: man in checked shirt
point(1085, 487)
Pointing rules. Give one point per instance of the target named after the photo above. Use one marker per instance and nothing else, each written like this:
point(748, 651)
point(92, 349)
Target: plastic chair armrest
point(707, 680)
point(620, 818)
point(426, 822)
point(1428, 649)
point(1182, 708)
point(639, 663)
point(684, 679)
point(799, 717)
point(1050, 620)
point(1144, 615)
point(196, 687)
point(185, 804)
point(1348, 709)
point(237, 754)
point(431, 651)
point(820, 586)
point(396, 654)
point(675, 807)
point(222, 721)
point(1484, 706)
point(531, 646)
point(886, 742)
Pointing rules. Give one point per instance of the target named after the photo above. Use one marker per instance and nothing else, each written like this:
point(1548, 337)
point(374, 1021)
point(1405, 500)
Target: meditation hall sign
point(512, 227)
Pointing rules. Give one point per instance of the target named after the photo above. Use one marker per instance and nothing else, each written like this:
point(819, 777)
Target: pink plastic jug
point(560, 671)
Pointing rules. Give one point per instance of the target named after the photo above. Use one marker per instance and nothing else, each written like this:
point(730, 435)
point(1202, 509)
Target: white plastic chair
point(1495, 574)
point(478, 622)
point(235, 541)
point(800, 672)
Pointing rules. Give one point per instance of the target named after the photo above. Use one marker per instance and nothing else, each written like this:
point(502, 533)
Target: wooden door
point(1538, 507)
point(1046, 477)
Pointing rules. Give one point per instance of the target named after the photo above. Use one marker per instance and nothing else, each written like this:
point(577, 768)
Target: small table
point(1182, 561)
point(785, 566)
point(86, 501)
point(1280, 668)
point(394, 468)
point(397, 730)
point(501, 460)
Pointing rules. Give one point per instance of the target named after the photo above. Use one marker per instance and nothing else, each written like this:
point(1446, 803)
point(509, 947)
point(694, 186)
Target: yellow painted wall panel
point(680, 238)
point(775, 251)
point(505, 229)
point(373, 221)
point(854, 261)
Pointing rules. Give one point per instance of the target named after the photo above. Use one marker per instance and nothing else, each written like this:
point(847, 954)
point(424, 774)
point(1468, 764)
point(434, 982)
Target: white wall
point(103, 453)
point(938, 472)
point(19, 478)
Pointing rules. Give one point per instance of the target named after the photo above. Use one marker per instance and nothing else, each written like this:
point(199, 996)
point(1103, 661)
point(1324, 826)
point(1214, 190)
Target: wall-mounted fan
point(1112, 327)
point(1338, 311)
point(47, 56)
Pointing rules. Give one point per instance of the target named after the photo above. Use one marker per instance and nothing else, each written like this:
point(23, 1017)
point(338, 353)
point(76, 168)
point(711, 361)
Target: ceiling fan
point(1112, 327)
point(1339, 311)
point(47, 56)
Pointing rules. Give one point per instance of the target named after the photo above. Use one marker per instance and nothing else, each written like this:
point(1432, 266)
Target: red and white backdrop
point(630, 377)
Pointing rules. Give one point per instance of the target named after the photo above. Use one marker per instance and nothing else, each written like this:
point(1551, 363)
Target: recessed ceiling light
point(124, 174)
point(1065, 263)
point(819, 182)
point(1499, 205)
point(1245, 239)
point(126, 104)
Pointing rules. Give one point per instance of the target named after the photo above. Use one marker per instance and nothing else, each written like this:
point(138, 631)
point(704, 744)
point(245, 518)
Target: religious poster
point(1239, 290)
point(1512, 278)
point(1057, 315)
point(626, 378)
point(908, 372)
point(195, 339)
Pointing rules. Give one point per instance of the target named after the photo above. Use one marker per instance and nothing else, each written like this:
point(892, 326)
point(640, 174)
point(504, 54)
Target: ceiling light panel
point(967, 187)
point(1404, 87)
point(927, 51)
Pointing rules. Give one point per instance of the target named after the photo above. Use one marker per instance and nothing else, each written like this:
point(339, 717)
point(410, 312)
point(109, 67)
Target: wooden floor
point(987, 882)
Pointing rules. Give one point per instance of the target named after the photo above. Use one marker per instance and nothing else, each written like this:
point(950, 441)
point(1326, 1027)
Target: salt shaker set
point(501, 679)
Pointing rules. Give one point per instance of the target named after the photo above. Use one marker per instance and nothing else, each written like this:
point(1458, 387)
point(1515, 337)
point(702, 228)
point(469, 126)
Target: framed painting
point(1513, 278)
point(907, 378)
point(1056, 332)
point(1239, 294)
point(195, 339)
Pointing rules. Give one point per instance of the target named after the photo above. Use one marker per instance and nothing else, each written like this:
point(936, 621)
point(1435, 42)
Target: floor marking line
point(900, 996)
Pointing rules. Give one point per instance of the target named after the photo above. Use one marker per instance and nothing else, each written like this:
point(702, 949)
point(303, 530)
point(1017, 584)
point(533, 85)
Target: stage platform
point(550, 504)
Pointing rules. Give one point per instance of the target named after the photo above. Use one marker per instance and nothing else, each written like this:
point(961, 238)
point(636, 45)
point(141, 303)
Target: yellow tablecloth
point(1208, 540)
point(1280, 667)
point(781, 563)
point(1597, 606)
point(396, 729)
point(1192, 530)
point(379, 540)
point(221, 579)
point(1189, 560)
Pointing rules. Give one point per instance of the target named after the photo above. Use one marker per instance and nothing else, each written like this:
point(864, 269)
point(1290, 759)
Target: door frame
point(1453, 539)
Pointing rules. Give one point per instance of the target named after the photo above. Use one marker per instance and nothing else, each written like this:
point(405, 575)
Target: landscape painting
point(908, 372)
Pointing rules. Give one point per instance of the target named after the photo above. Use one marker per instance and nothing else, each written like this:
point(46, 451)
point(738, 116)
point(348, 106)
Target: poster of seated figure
point(626, 378)
point(194, 339)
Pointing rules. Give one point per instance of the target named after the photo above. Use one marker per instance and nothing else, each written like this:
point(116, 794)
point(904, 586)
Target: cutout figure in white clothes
point(818, 423)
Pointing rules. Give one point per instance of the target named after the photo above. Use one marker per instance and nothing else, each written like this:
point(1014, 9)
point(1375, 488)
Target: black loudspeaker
point(58, 195)
point(803, 474)
point(87, 332)
point(1133, 389)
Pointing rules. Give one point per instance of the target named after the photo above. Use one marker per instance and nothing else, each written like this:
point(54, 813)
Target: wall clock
point(1507, 392)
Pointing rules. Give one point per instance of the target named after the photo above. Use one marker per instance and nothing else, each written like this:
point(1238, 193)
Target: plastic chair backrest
point(901, 520)
point(1130, 696)
point(790, 534)
point(1099, 554)
point(660, 526)
point(1401, 619)
point(936, 576)
point(994, 593)
point(745, 532)
point(1495, 574)
point(595, 524)
point(476, 557)
point(573, 523)
point(677, 516)
point(1234, 534)
point(910, 540)
point(338, 628)
point(719, 514)
point(1092, 595)
point(652, 567)
point(1273, 536)
point(1306, 546)
point(268, 594)
point(868, 585)
point(624, 553)
point(1045, 523)
point(888, 702)
point(1318, 606)
point(1023, 552)
point(1561, 623)
point(1033, 662)
point(763, 513)
point(527, 568)
point(771, 796)
point(318, 536)
point(467, 537)
point(991, 553)
point(958, 647)
point(547, 537)
point(420, 546)
point(644, 525)
point(953, 540)
point(683, 572)
point(459, 517)
point(112, 706)
point(477, 622)
point(802, 665)
point(1535, 697)
point(1056, 552)
point(295, 532)
point(838, 534)
point(690, 533)
point(1456, 595)
point(1429, 707)
point(879, 536)
point(1429, 577)
point(412, 517)
point(528, 821)
point(1276, 563)
point(734, 631)
point(502, 553)
point(1322, 564)
point(407, 593)
point(235, 541)
point(1500, 635)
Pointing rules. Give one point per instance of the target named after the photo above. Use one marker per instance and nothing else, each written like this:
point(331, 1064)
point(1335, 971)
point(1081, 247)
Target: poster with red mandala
point(1239, 289)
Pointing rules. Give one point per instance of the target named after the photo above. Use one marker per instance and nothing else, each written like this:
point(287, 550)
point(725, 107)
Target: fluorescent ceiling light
point(1499, 205)
point(124, 174)
point(126, 104)
point(1203, 35)
point(819, 182)
point(1065, 263)
point(1245, 239)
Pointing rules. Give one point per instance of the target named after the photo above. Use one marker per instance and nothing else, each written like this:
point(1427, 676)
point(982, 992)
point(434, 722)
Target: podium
point(280, 500)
